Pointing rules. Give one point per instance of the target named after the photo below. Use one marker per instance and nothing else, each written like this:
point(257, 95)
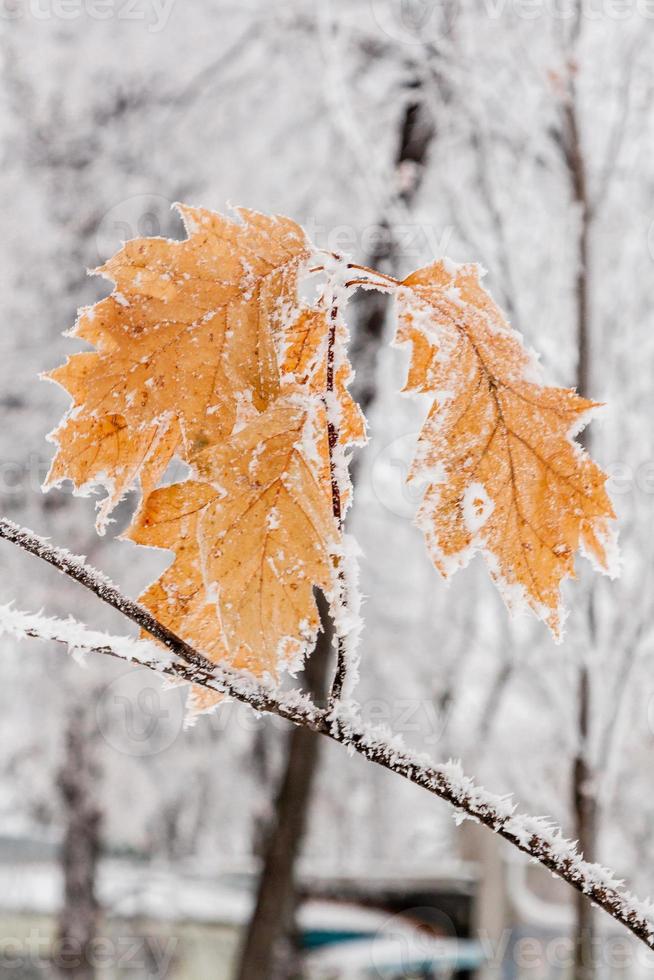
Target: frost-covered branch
point(345, 600)
point(80, 640)
point(535, 836)
point(194, 667)
point(340, 599)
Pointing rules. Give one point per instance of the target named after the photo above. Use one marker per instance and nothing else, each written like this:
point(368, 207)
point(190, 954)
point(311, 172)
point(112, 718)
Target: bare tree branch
point(195, 668)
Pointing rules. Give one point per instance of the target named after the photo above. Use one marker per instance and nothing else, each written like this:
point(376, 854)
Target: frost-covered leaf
point(503, 474)
point(205, 351)
point(185, 345)
point(253, 534)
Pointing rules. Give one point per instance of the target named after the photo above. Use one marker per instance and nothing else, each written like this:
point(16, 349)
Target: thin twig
point(383, 287)
point(199, 669)
point(375, 273)
point(333, 436)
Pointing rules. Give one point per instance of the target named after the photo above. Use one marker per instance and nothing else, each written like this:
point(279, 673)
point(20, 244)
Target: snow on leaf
point(515, 484)
point(204, 351)
point(253, 534)
point(185, 342)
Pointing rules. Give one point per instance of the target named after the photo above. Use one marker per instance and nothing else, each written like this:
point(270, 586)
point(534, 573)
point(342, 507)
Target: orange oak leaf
point(185, 348)
point(253, 534)
point(169, 519)
point(502, 472)
point(190, 587)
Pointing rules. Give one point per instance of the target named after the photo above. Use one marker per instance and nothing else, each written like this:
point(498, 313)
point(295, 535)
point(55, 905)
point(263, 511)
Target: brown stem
point(391, 280)
point(332, 440)
point(384, 287)
point(332, 431)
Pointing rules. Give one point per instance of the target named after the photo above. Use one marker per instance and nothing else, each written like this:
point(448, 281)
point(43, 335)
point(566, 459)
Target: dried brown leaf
point(503, 474)
point(184, 346)
point(253, 536)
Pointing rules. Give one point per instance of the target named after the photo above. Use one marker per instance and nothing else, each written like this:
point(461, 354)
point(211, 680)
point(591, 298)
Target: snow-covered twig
point(293, 705)
point(194, 668)
point(340, 599)
point(345, 600)
point(535, 836)
point(80, 639)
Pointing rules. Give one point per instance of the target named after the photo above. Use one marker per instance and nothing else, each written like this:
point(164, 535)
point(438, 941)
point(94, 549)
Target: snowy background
point(109, 112)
